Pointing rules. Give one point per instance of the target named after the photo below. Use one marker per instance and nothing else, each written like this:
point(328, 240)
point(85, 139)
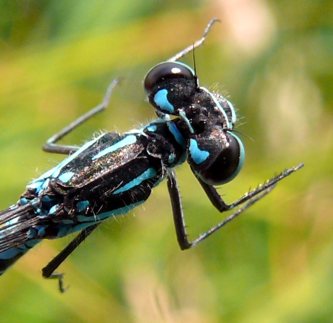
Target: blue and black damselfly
point(113, 173)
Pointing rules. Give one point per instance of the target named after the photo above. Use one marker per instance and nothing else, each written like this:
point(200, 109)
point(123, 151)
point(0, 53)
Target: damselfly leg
point(49, 270)
point(248, 198)
point(221, 206)
point(51, 145)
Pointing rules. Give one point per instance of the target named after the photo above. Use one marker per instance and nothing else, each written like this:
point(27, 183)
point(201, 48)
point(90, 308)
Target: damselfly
point(113, 173)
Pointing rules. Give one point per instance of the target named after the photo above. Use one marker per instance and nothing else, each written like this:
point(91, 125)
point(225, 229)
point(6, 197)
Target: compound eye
point(166, 71)
point(226, 165)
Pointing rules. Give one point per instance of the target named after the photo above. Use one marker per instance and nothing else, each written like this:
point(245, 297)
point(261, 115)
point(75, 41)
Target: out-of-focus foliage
point(273, 59)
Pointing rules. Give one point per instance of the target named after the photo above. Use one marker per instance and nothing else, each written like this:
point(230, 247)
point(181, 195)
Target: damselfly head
point(214, 152)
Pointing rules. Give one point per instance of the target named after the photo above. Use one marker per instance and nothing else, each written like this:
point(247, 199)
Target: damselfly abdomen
point(113, 173)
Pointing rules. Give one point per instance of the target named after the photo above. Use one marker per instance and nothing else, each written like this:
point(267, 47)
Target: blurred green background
point(273, 60)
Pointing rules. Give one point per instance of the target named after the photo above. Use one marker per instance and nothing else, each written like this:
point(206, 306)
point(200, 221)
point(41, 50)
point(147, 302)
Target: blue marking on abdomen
point(37, 231)
point(129, 139)
point(64, 230)
point(161, 100)
point(10, 253)
point(197, 155)
point(149, 173)
point(21, 249)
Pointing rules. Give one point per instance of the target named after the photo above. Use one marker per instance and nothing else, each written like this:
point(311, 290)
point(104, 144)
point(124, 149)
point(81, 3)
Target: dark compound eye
point(166, 71)
point(223, 165)
point(228, 164)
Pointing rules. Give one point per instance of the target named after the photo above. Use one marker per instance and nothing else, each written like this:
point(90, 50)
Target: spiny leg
point(51, 144)
point(197, 44)
point(218, 202)
point(249, 199)
point(49, 270)
point(179, 219)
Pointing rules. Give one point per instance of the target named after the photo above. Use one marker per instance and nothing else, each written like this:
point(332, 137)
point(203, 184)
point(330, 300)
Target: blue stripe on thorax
point(147, 174)
point(40, 184)
point(129, 139)
point(66, 177)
